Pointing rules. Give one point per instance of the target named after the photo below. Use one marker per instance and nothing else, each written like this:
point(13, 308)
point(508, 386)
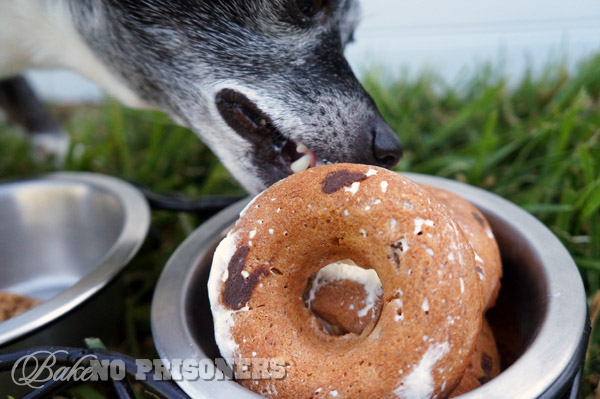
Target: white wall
point(448, 36)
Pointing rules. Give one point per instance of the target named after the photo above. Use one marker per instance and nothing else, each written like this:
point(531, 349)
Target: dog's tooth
point(301, 148)
point(300, 164)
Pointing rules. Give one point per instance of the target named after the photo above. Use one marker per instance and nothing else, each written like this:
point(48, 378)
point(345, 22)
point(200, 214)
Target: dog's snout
point(386, 145)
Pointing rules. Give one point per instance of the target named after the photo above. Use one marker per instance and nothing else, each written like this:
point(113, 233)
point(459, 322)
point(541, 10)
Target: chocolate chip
point(396, 259)
point(340, 178)
point(238, 289)
point(486, 367)
point(396, 250)
point(478, 218)
point(483, 380)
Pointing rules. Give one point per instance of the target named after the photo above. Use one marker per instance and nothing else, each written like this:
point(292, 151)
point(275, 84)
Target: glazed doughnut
point(480, 235)
point(484, 365)
point(431, 315)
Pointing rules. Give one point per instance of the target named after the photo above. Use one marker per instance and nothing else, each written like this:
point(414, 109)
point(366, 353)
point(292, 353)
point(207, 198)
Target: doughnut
point(12, 305)
point(484, 365)
point(479, 233)
point(431, 313)
point(481, 238)
point(336, 299)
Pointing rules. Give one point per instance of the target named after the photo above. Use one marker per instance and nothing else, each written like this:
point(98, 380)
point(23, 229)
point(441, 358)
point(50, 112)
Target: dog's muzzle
point(277, 156)
point(271, 147)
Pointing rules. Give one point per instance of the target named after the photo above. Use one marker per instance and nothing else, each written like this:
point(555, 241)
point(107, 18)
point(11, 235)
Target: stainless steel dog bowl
point(63, 238)
point(540, 320)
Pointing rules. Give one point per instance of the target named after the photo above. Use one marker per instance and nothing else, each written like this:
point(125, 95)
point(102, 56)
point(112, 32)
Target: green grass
point(536, 144)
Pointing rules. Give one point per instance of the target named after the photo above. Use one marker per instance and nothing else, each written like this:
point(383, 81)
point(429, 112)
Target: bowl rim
point(136, 215)
point(532, 374)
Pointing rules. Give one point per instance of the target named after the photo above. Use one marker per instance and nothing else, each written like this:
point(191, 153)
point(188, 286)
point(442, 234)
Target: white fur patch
point(41, 34)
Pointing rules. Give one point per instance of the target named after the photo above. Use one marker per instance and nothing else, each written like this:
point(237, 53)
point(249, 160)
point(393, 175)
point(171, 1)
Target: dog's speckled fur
point(177, 55)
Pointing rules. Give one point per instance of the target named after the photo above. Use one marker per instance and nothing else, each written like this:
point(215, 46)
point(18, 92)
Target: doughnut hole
point(344, 298)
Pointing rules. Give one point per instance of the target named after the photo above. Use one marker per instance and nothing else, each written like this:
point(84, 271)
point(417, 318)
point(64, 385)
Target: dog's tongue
point(313, 159)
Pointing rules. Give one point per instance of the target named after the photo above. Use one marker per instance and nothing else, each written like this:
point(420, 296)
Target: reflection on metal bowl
point(64, 237)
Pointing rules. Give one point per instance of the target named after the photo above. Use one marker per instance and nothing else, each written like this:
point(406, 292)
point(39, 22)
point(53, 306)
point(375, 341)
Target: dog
point(264, 83)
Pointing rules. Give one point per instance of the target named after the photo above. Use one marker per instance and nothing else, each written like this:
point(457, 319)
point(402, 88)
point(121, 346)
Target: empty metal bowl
point(63, 238)
point(540, 320)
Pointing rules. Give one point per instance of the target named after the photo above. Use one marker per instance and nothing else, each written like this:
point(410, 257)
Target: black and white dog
point(264, 83)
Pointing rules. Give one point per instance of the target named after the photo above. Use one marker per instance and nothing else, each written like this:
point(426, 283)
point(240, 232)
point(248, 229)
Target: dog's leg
point(24, 108)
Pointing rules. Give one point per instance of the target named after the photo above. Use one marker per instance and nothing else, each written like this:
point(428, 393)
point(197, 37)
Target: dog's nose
point(386, 145)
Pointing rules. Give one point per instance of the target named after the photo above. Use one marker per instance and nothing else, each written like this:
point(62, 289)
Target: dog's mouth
point(276, 155)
